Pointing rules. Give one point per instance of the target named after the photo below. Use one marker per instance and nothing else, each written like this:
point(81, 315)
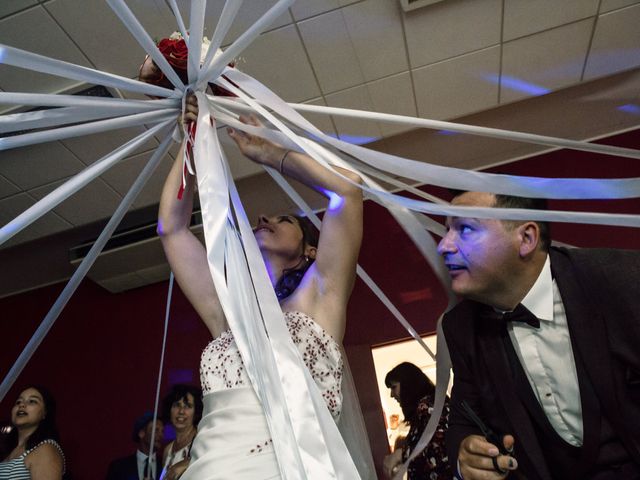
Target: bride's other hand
point(256, 148)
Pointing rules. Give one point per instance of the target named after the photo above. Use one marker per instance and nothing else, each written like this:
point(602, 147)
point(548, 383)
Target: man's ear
point(311, 252)
point(529, 237)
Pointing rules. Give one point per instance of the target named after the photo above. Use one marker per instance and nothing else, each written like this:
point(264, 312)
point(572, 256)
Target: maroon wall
point(101, 357)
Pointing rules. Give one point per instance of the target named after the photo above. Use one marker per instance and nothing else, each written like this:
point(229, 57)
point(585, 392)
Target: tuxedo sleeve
point(463, 388)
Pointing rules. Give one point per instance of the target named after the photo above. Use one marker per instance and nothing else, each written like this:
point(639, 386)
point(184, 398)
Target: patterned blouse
point(16, 469)
point(432, 463)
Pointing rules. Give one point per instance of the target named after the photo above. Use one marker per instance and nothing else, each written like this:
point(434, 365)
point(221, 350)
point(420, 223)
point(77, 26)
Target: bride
point(313, 276)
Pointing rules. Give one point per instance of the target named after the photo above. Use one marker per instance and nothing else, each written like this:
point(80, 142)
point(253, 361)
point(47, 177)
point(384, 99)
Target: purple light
point(630, 108)
point(517, 84)
point(335, 200)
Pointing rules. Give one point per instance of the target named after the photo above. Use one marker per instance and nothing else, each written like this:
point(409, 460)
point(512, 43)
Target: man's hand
point(391, 462)
point(476, 458)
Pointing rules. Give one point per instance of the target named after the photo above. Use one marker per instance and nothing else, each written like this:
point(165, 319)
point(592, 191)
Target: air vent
point(138, 248)
point(408, 5)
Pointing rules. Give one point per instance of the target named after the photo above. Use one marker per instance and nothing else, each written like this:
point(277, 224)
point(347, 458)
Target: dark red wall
point(101, 357)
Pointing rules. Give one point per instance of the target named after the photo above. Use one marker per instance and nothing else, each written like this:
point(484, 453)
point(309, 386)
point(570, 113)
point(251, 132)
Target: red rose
point(175, 51)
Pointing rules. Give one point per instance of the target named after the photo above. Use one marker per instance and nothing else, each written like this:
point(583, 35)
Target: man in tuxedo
point(545, 347)
point(138, 466)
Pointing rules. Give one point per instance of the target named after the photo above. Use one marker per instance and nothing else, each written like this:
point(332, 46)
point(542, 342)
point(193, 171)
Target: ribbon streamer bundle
point(306, 440)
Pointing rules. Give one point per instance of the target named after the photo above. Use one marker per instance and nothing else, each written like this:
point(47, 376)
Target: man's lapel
point(492, 348)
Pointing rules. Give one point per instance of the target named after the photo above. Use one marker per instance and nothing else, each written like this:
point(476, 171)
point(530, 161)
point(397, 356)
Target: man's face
point(145, 435)
point(480, 254)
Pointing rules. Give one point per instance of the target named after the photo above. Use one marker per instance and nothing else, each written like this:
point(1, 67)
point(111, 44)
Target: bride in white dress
point(313, 279)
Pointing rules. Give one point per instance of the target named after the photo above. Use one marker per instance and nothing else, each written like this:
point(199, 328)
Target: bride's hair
point(292, 277)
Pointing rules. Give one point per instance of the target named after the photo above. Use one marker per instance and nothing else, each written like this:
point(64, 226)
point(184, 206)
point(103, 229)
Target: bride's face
point(281, 234)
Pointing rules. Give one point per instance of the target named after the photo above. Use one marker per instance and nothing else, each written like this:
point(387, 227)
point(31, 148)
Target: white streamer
point(59, 100)
point(7, 143)
point(139, 33)
point(64, 191)
point(220, 62)
point(32, 61)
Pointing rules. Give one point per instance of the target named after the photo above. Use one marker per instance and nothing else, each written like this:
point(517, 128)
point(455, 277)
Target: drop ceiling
point(486, 60)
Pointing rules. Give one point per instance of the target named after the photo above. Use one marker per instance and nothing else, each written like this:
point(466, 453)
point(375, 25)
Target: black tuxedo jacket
point(126, 468)
point(600, 290)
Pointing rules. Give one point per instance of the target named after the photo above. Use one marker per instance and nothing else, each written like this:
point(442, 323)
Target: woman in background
point(415, 393)
point(182, 408)
point(33, 451)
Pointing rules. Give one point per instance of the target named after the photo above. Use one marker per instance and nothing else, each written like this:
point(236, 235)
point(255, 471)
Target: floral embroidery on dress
point(221, 366)
point(433, 462)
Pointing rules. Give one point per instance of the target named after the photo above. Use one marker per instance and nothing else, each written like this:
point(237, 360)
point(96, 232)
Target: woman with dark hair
point(415, 393)
point(182, 408)
point(313, 277)
point(33, 449)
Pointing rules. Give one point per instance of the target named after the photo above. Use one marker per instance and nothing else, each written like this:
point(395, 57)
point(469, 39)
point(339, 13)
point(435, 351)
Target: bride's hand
point(190, 113)
point(256, 148)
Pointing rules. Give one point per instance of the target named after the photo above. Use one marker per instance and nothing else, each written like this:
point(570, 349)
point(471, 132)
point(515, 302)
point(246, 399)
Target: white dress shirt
point(142, 459)
point(547, 357)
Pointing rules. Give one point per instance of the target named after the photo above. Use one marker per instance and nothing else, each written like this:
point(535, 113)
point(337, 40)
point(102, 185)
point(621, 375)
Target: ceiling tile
point(302, 9)
point(7, 7)
point(48, 224)
point(95, 201)
point(37, 165)
point(278, 60)
point(608, 5)
point(458, 86)
point(524, 17)
point(103, 37)
point(122, 176)
point(332, 54)
point(90, 148)
point(533, 65)
point(248, 14)
point(352, 129)
point(308, 8)
point(444, 30)
point(393, 95)
point(7, 188)
point(616, 43)
point(35, 31)
point(375, 31)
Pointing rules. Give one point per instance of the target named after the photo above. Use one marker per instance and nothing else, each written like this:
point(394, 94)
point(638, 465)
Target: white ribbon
point(220, 62)
point(68, 188)
point(25, 139)
point(225, 20)
point(140, 34)
point(32, 61)
point(306, 439)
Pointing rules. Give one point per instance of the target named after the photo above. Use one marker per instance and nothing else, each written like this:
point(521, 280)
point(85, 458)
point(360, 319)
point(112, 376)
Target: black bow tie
point(519, 314)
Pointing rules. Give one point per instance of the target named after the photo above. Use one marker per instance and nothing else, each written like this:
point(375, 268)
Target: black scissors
point(490, 435)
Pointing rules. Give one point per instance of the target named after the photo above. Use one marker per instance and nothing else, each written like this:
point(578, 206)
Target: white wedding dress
point(233, 440)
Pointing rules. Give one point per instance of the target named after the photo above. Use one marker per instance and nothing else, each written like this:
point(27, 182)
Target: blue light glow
point(446, 132)
point(335, 200)
point(630, 108)
point(3, 51)
point(518, 85)
point(354, 139)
